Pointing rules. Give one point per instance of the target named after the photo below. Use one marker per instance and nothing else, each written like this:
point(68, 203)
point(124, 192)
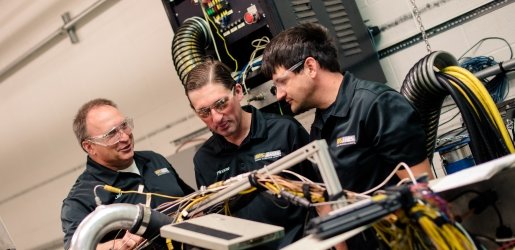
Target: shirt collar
point(341, 106)
point(108, 175)
point(257, 131)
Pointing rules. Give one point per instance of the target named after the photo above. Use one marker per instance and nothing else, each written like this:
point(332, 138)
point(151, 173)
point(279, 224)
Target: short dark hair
point(79, 123)
point(297, 43)
point(209, 71)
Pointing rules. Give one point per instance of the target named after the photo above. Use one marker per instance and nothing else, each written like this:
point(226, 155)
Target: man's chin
point(297, 110)
point(127, 155)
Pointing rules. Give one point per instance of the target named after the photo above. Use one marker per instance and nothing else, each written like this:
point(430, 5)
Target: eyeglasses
point(280, 79)
point(219, 106)
point(113, 136)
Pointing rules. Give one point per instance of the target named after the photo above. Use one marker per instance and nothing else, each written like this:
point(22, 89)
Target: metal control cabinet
point(240, 22)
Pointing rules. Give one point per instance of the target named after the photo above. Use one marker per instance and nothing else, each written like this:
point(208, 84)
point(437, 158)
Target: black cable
point(493, 137)
point(478, 149)
point(452, 118)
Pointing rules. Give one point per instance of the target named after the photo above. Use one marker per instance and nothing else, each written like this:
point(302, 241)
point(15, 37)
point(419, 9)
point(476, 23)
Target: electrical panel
point(236, 25)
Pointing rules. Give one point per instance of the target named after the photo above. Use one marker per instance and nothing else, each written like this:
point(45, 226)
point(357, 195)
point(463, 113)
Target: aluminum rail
point(63, 30)
point(496, 69)
point(315, 151)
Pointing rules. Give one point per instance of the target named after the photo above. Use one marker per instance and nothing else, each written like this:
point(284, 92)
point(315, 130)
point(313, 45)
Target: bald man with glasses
point(105, 134)
point(244, 139)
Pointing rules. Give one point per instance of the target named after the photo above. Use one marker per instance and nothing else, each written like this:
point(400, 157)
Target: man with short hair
point(369, 127)
point(244, 139)
point(105, 134)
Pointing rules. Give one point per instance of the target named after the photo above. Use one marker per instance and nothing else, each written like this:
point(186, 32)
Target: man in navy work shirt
point(105, 134)
point(244, 139)
point(369, 127)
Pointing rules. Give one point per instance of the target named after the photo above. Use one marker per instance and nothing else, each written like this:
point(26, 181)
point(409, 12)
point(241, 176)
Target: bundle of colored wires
point(424, 222)
point(489, 137)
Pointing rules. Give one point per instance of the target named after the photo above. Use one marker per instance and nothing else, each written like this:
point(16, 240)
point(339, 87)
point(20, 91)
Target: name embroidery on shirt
point(162, 171)
point(267, 155)
point(221, 171)
point(345, 140)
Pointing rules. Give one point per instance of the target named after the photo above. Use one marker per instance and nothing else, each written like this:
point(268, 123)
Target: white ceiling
point(123, 54)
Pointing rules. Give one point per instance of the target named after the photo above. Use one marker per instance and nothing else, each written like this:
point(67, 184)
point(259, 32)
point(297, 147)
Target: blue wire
point(497, 86)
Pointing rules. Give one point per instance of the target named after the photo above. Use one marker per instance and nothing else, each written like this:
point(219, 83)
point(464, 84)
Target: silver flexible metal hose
point(102, 221)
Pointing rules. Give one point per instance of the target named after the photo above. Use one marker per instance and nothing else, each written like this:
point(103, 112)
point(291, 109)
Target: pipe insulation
point(189, 45)
point(138, 219)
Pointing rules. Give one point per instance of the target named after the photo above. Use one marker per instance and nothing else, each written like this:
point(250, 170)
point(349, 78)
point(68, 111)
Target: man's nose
point(215, 115)
point(280, 93)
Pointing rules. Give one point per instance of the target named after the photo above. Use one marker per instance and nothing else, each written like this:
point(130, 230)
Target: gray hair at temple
point(79, 123)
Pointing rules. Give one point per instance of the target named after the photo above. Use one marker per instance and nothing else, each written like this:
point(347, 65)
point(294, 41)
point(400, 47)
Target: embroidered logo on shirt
point(267, 155)
point(221, 171)
point(345, 140)
point(162, 171)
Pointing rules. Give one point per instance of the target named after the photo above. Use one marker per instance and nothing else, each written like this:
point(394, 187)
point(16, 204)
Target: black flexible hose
point(425, 94)
point(426, 88)
point(189, 45)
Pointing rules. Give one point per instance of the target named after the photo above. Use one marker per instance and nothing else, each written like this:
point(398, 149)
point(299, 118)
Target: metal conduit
point(63, 30)
point(496, 69)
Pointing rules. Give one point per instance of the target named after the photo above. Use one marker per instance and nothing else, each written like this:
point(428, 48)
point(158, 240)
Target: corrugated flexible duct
point(423, 91)
point(189, 45)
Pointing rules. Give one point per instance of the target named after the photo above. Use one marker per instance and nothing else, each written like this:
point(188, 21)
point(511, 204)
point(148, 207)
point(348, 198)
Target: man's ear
point(238, 89)
point(311, 66)
point(87, 147)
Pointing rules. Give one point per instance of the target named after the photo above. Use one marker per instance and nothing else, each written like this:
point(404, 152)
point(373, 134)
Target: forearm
point(418, 170)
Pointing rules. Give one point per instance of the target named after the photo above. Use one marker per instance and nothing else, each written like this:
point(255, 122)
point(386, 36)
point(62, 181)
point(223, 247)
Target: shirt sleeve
point(186, 189)
point(398, 135)
point(200, 179)
point(72, 214)
point(299, 138)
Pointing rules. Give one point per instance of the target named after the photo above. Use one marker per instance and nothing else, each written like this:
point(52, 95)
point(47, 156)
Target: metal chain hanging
point(420, 25)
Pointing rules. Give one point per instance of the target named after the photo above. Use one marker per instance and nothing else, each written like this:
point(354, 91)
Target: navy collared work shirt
point(157, 176)
point(369, 129)
point(271, 137)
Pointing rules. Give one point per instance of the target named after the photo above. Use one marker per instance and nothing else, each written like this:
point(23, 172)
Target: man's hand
point(324, 210)
point(129, 241)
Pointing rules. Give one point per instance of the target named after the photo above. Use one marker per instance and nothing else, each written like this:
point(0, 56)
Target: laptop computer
point(216, 231)
point(6, 242)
